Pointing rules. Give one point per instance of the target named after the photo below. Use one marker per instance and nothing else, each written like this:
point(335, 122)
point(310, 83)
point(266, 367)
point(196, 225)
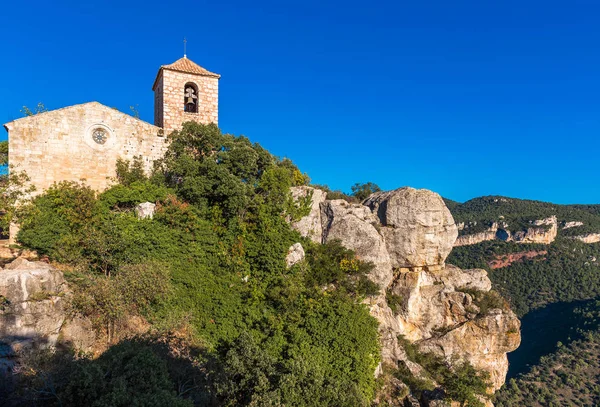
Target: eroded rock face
point(572, 224)
point(589, 238)
point(408, 234)
point(467, 240)
point(33, 305)
point(310, 225)
point(539, 234)
point(295, 255)
point(542, 231)
point(483, 341)
point(356, 227)
point(417, 226)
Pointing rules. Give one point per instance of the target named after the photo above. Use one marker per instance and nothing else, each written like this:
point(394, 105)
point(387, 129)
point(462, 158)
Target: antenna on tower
point(184, 47)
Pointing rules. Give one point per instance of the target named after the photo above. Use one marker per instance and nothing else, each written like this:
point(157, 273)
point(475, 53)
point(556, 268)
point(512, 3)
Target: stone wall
point(169, 98)
point(59, 146)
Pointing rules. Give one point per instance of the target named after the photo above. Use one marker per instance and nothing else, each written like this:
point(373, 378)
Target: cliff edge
point(408, 234)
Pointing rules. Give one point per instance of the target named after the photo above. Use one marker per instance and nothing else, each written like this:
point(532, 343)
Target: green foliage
point(128, 196)
point(565, 377)
point(336, 194)
point(130, 172)
point(363, 191)
point(55, 219)
point(39, 108)
point(461, 382)
point(565, 273)
point(107, 301)
point(3, 153)
point(486, 300)
point(211, 261)
point(4, 303)
point(129, 374)
point(14, 192)
point(333, 264)
point(394, 301)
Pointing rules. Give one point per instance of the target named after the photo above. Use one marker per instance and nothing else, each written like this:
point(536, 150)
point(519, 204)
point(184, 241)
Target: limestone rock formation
point(408, 234)
point(145, 210)
point(295, 255)
point(471, 239)
point(542, 231)
point(539, 232)
point(417, 226)
point(572, 224)
point(356, 227)
point(31, 303)
point(589, 238)
point(310, 225)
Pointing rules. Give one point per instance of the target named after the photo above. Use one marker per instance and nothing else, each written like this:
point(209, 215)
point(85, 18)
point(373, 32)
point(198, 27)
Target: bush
point(486, 300)
point(460, 381)
point(128, 374)
point(53, 222)
point(213, 256)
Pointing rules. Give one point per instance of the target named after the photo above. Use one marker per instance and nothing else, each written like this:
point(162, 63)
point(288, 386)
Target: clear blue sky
point(466, 98)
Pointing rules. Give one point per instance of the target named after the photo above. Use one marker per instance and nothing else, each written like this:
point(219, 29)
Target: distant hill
point(566, 377)
point(539, 280)
point(480, 213)
point(532, 275)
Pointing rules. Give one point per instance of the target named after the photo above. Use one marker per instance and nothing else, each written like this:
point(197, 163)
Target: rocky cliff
point(588, 238)
point(31, 303)
point(407, 234)
point(32, 312)
point(543, 231)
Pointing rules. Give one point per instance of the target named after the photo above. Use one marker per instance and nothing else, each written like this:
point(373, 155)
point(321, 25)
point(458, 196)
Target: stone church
point(83, 142)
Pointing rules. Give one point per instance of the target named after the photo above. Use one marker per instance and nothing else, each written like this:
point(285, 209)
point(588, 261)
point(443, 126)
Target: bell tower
point(183, 92)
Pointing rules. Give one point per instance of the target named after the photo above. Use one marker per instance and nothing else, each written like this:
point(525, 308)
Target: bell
point(189, 101)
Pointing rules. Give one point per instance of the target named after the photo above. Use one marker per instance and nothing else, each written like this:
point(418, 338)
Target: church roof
point(88, 106)
point(187, 66)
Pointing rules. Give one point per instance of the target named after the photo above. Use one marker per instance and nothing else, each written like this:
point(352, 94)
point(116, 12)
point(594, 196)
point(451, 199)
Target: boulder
point(145, 210)
point(295, 255)
point(417, 226)
point(31, 310)
point(356, 227)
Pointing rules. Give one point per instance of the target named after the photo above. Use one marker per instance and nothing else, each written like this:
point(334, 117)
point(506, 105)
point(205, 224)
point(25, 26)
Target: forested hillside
point(196, 303)
point(533, 276)
point(226, 322)
point(568, 377)
point(564, 270)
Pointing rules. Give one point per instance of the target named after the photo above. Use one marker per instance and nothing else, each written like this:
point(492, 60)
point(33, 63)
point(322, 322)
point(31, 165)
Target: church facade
point(83, 142)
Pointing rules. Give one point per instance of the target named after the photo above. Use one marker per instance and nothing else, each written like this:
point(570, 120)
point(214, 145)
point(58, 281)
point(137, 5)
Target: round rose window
point(100, 135)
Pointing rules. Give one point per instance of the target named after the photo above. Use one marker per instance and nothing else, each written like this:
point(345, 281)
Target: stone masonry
point(83, 142)
point(58, 145)
point(169, 95)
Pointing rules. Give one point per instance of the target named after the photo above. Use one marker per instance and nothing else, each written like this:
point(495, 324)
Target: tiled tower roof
point(186, 65)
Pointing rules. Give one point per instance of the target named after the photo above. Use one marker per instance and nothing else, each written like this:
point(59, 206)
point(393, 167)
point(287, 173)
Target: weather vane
point(184, 47)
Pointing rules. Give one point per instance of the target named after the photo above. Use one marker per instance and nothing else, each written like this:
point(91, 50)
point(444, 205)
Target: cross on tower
point(184, 47)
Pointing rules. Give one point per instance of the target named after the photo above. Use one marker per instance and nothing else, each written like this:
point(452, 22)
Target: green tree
point(363, 191)
point(40, 108)
point(15, 190)
point(3, 153)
